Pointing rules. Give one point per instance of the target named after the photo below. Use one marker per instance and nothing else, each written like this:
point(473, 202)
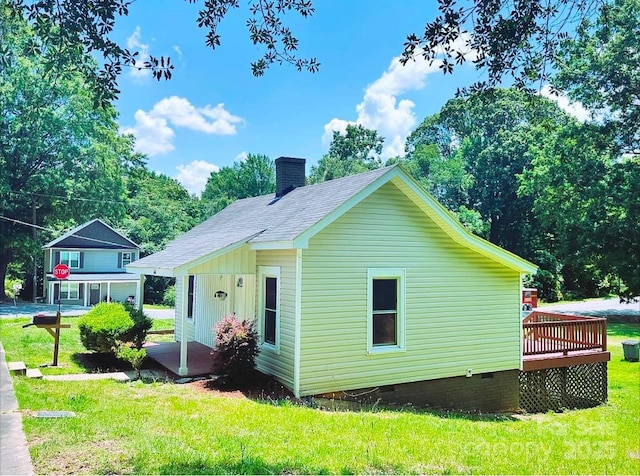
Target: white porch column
point(108, 291)
point(85, 294)
point(184, 310)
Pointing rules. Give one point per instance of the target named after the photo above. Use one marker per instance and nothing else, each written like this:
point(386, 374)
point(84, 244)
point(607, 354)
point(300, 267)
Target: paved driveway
point(27, 309)
point(601, 307)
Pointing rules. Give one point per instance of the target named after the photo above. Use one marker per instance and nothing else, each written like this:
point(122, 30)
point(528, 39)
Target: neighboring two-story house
point(96, 255)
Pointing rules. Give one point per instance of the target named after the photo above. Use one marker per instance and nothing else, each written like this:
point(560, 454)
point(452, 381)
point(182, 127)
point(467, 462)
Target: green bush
point(105, 326)
point(135, 356)
point(141, 325)
point(237, 347)
point(169, 297)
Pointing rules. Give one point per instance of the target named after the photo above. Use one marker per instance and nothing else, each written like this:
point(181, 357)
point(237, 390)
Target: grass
point(157, 306)
point(163, 428)
point(34, 346)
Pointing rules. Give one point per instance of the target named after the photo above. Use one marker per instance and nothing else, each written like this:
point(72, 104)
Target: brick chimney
point(289, 174)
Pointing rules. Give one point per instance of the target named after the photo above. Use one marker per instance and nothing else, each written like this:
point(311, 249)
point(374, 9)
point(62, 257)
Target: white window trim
point(269, 272)
point(390, 273)
point(69, 285)
point(68, 261)
point(127, 261)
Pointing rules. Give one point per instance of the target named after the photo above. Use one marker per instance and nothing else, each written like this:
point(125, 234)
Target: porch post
point(184, 309)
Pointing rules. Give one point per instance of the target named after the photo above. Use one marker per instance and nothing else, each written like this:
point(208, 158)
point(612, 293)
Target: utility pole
point(35, 256)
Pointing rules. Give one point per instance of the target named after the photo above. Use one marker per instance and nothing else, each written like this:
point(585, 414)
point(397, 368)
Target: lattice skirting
point(576, 386)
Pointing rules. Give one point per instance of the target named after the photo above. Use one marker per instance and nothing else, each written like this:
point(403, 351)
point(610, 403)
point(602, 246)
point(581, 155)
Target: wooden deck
point(560, 340)
point(167, 354)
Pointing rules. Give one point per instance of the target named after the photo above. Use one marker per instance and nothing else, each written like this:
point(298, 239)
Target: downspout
point(183, 370)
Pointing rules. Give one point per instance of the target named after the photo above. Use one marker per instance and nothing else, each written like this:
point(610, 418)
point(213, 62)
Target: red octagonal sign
point(61, 271)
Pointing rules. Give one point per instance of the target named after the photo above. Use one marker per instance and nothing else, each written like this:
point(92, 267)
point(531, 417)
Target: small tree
point(135, 356)
point(236, 348)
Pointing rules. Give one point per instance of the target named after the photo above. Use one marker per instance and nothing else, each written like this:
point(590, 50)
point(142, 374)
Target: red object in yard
point(61, 271)
point(529, 299)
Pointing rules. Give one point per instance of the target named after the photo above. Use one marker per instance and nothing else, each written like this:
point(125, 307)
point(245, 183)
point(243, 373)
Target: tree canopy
point(61, 160)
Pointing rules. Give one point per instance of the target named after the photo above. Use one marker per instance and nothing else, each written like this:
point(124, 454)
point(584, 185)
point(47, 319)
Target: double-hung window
point(270, 306)
point(126, 258)
point(69, 290)
point(70, 258)
point(386, 319)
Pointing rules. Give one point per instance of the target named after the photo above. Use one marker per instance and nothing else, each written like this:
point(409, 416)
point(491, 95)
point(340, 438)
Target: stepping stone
point(17, 368)
point(54, 414)
point(34, 373)
point(184, 380)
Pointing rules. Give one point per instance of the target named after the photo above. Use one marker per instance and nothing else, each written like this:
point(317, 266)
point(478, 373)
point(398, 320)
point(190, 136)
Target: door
point(94, 294)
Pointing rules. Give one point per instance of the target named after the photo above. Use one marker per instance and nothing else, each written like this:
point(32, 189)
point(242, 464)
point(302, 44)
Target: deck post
point(184, 341)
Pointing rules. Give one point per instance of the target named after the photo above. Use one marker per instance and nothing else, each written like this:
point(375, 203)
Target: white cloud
point(154, 129)
point(194, 176)
point(382, 110)
point(153, 135)
point(575, 109)
point(242, 156)
point(134, 43)
point(177, 49)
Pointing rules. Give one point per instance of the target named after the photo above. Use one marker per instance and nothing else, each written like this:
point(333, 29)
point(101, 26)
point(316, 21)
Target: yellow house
point(364, 283)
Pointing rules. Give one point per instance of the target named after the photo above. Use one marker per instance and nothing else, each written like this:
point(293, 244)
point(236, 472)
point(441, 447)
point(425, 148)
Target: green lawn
point(34, 346)
point(163, 428)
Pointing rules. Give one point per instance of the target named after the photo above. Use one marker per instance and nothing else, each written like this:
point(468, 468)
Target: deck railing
point(547, 333)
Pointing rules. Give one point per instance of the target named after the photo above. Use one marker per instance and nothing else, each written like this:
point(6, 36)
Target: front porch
point(167, 354)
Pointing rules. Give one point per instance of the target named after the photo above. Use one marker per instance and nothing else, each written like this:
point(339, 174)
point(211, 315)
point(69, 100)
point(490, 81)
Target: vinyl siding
point(280, 364)
point(462, 309)
point(218, 274)
point(95, 261)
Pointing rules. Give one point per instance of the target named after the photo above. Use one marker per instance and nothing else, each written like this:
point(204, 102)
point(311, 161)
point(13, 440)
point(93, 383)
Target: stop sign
point(61, 271)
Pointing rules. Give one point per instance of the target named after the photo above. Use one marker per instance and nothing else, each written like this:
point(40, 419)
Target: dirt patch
point(257, 386)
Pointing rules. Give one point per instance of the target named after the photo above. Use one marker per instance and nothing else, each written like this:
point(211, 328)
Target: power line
point(58, 231)
point(68, 199)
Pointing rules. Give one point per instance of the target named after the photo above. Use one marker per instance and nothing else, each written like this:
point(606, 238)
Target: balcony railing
point(549, 333)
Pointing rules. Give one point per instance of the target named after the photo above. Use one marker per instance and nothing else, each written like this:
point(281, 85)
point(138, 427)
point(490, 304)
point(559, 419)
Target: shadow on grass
point(627, 330)
point(251, 465)
point(99, 362)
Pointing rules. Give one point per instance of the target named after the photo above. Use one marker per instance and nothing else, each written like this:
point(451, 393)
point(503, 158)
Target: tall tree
point(159, 209)
point(356, 150)
point(61, 161)
point(251, 177)
point(478, 146)
point(599, 68)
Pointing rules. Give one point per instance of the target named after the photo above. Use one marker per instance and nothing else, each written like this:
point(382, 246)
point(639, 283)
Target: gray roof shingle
point(260, 219)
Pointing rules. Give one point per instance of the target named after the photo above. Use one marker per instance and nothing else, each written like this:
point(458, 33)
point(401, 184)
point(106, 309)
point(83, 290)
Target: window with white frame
point(127, 258)
point(69, 290)
point(270, 305)
point(70, 258)
point(386, 319)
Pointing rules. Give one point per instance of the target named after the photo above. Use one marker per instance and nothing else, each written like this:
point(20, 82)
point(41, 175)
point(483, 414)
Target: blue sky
point(213, 111)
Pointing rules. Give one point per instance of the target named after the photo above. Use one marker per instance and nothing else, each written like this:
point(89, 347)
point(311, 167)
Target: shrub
point(104, 326)
point(236, 348)
point(135, 356)
point(169, 297)
point(141, 325)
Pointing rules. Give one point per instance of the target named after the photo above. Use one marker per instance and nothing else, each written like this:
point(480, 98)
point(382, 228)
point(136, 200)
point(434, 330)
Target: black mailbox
point(42, 319)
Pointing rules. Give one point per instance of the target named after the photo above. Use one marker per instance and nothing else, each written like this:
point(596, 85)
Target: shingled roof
point(290, 220)
point(260, 219)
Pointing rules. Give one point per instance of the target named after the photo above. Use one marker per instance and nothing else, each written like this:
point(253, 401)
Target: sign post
point(60, 272)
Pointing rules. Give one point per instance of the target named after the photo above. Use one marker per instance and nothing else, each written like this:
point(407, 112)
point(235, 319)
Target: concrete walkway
point(14, 454)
